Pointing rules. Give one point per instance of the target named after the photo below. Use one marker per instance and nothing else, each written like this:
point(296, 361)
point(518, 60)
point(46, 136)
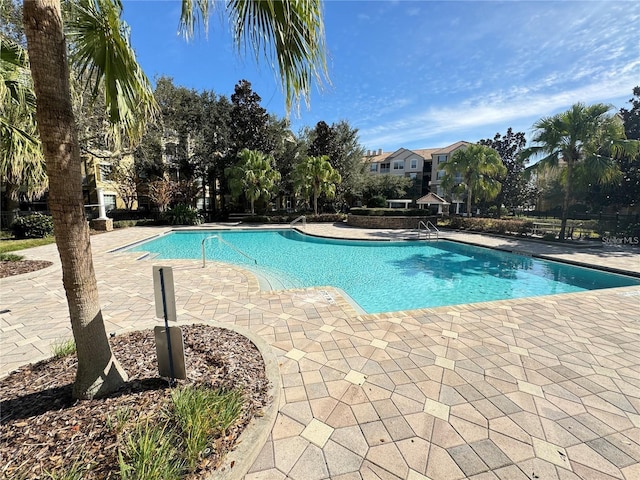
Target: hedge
point(391, 212)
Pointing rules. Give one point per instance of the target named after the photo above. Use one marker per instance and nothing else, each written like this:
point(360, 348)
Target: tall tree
point(248, 120)
point(583, 141)
point(102, 51)
point(339, 141)
point(475, 172)
point(253, 175)
point(631, 117)
point(315, 176)
point(214, 143)
point(514, 189)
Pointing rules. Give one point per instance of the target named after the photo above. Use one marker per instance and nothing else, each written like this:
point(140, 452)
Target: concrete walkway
point(545, 387)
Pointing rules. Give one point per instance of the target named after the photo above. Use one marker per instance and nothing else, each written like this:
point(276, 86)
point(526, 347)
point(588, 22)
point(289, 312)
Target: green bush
point(491, 225)
point(390, 212)
point(10, 257)
point(321, 218)
point(135, 223)
point(35, 225)
point(377, 201)
point(183, 214)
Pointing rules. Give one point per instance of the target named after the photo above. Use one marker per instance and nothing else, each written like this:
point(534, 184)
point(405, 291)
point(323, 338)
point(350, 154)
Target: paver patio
point(545, 387)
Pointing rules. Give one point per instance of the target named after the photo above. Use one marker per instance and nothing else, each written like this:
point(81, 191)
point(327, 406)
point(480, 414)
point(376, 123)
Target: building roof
point(426, 153)
point(432, 199)
point(452, 147)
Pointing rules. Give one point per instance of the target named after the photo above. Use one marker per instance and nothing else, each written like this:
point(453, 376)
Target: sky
point(421, 74)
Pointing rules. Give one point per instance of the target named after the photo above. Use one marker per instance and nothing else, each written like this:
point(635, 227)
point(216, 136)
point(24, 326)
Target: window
point(105, 171)
point(440, 174)
point(458, 178)
point(413, 175)
point(109, 202)
point(442, 158)
point(414, 163)
point(384, 167)
point(398, 165)
point(374, 167)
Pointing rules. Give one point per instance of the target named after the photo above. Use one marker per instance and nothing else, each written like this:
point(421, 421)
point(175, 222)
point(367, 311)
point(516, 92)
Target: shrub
point(135, 223)
point(390, 212)
point(321, 218)
point(377, 201)
point(491, 225)
point(63, 348)
point(35, 225)
point(10, 257)
point(183, 214)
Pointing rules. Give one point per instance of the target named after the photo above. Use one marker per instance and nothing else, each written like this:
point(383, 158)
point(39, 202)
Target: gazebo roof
point(432, 198)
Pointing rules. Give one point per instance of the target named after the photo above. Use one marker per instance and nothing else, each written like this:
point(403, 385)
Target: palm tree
point(315, 175)
point(584, 140)
point(253, 175)
point(102, 52)
point(475, 171)
point(21, 159)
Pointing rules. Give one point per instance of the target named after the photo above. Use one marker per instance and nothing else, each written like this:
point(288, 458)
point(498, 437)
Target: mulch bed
point(10, 268)
point(43, 429)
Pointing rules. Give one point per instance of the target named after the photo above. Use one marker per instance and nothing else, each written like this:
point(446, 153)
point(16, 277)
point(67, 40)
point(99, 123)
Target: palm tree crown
point(315, 175)
point(475, 171)
point(253, 175)
point(583, 140)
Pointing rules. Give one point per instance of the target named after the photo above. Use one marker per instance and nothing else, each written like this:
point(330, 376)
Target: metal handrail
point(434, 227)
point(222, 240)
point(300, 218)
point(427, 229)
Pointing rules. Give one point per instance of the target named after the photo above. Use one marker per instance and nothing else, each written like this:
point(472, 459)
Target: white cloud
point(479, 117)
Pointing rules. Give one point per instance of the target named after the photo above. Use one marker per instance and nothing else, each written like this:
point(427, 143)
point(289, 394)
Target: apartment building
point(424, 166)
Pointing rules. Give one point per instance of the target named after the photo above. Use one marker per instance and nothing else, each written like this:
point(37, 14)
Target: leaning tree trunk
point(98, 371)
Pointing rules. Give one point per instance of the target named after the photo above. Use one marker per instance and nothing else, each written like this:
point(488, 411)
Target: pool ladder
point(302, 219)
point(222, 240)
point(429, 229)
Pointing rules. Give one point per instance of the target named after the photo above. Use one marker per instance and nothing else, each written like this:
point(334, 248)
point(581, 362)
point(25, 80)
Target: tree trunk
point(12, 192)
point(468, 202)
point(98, 371)
point(565, 201)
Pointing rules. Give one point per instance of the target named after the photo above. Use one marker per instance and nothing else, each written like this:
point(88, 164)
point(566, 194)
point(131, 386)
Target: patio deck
point(545, 387)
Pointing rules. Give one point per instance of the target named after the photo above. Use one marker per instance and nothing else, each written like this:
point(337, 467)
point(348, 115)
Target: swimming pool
point(386, 276)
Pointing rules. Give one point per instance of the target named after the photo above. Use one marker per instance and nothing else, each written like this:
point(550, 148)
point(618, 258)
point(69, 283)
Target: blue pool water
point(387, 276)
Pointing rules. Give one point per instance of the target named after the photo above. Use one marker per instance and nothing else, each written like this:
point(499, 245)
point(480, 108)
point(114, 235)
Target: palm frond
point(289, 34)
point(102, 53)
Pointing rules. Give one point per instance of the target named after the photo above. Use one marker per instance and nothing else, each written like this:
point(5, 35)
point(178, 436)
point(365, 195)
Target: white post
point(101, 208)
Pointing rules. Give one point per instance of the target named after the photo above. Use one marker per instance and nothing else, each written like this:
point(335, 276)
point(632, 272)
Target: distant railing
point(429, 229)
point(302, 219)
point(222, 240)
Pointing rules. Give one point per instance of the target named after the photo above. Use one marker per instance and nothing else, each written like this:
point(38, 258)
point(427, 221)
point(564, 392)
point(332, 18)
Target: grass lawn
point(7, 244)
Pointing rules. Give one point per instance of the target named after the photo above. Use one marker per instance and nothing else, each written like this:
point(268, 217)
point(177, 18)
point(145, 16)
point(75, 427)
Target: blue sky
point(422, 74)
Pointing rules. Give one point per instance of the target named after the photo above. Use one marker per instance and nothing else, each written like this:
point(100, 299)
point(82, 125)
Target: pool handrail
point(427, 230)
point(302, 218)
point(222, 240)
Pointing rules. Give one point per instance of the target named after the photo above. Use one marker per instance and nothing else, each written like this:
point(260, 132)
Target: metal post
point(166, 329)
